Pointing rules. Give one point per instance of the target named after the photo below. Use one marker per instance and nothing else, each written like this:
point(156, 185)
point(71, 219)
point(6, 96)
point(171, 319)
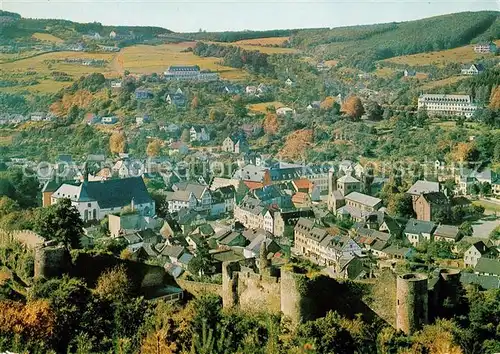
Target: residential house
point(474, 69)
point(372, 241)
point(201, 193)
point(485, 48)
point(91, 119)
point(178, 147)
point(127, 223)
point(314, 105)
point(116, 85)
point(109, 120)
point(477, 251)
point(198, 134)
point(304, 185)
point(289, 82)
point(143, 94)
point(322, 248)
point(38, 116)
point(397, 252)
point(95, 200)
point(223, 200)
point(430, 206)
point(127, 168)
point(179, 200)
point(409, 73)
point(487, 266)
point(253, 249)
point(251, 90)
point(235, 143)
point(250, 212)
point(284, 221)
point(417, 231)
point(177, 98)
point(231, 238)
point(467, 178)
point(140, 120)
point(448, 233)
point(285, 111)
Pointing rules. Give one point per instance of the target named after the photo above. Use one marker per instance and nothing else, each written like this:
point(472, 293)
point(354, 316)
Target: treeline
point(361, 46)
point(17, 27)
point(237, 35)
point(236, 57)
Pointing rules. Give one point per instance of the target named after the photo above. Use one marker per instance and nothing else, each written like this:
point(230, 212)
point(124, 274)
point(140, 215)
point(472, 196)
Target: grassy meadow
point(463, 55)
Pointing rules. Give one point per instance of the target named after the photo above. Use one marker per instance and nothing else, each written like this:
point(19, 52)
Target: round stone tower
point(411, 302)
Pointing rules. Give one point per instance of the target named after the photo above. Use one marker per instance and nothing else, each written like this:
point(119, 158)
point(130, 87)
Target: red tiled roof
point(253, 185)
point(302, 183)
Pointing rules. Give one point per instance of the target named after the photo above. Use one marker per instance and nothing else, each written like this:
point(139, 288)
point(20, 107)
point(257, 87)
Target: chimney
point(132, 205)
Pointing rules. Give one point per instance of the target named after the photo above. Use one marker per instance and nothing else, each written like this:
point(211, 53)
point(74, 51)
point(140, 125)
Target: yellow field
point(267, 50)
point(263, 41)
point(462, 55)
point(443, 82)
point(144, 59)
point(5, 140)
point(47, 37)
point(261, 107)
point(385, 72)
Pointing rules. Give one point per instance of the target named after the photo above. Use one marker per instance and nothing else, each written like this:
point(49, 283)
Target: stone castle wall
point(256, 291)
point(28, 238)
point(412, 304)
point(197, 288)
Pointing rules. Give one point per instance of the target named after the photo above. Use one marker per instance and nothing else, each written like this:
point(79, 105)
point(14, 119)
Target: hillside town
point(247, 192)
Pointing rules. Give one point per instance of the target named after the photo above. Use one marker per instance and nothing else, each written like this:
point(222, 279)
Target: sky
point(222, 15)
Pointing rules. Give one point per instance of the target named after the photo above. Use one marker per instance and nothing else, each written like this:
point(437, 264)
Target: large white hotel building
point(439, 104)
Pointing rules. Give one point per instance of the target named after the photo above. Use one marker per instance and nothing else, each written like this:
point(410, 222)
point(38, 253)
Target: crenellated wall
point(28, 238)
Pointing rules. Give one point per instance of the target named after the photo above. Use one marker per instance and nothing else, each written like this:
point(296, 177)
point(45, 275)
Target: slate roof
point(484, 281)
point(348, 179)
point(418, 227)
point(182, 196)
point(394, 250)
point(421, 187)
point(307, 227)
point(447, 231)
point(489, 266)
point(109, 194)
point(363, 199)
point(435, 198)
point(172, 251)
point(229, 237)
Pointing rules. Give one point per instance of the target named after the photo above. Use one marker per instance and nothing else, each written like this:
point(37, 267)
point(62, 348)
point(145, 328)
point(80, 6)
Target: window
point(89, 205)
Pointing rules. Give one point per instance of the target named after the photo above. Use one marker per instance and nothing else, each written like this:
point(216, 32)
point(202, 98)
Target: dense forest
point(361, 46)
point(233, 36)
point(254, 61)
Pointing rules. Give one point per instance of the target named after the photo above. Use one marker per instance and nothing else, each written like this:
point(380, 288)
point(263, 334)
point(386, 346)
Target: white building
point(95, 200)
point(439, 104)
point(198, 134)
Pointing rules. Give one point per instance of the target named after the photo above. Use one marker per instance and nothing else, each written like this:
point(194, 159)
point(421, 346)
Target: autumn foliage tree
point(117, 142)
point(271, 123)
point(113, 285)
point(153, 148)
point(34, 320)
point(495, 98)
point(353, 107)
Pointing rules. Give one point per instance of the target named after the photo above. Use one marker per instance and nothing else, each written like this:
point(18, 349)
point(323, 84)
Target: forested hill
point(15, 29)
point(361, 46)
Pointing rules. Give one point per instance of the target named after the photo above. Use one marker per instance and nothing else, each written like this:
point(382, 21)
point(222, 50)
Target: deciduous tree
point(60, 222)
point(117, 142)
point(353, 107)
